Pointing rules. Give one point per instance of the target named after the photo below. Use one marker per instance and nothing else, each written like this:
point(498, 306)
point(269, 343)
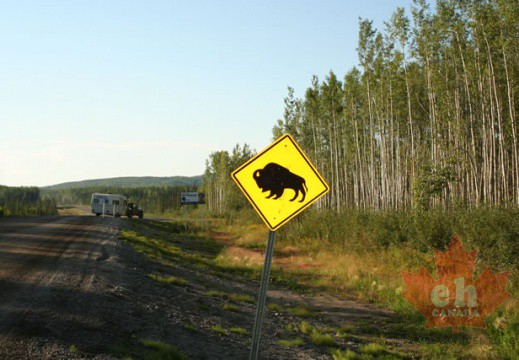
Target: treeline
point(221, 192)
point(154, 199)
point(429, 118)
point(25, 201)
point(130, 181)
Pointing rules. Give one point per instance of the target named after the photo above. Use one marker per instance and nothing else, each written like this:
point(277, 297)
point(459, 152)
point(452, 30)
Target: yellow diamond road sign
point(280, 182)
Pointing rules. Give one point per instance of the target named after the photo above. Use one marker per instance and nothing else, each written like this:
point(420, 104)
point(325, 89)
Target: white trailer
point(108, 204)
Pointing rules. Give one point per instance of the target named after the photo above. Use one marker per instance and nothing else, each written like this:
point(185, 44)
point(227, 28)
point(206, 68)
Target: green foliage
point(25, 201)
point(374, 350)
point(321, 339)
point(338, 354)
point(219, 330)
point(493, 231)
point(158, 350)
point(231, 307)
point(153, 199)
point(168, 280)
point(190, 328)
point(238, 330)
point(291, 343)
point(221, 192)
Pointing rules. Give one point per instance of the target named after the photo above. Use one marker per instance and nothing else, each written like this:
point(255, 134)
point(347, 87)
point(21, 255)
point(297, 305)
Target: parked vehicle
point(109, 204)
point(134, 210)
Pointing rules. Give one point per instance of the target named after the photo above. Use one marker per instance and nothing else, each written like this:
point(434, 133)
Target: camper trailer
point(109, 204)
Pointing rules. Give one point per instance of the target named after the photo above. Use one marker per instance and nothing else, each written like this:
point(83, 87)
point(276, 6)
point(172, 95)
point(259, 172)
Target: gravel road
point(70, 289)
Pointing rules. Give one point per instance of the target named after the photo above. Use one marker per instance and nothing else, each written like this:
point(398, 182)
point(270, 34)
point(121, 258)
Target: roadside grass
point(321, 339)
point(158, 350)
point(191, 328)
point(168, 280)
point(238, 330)
point(274, 307)
point(241, 298)
point(290, 343)
point(361, 255)
point(146, 349)
point(301, 311)
point(231, 307)
point(219, 330)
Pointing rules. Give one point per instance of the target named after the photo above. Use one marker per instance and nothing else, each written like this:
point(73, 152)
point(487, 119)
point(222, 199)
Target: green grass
point(338, 354)
point(238, 330)
point(241, 298)
point(305, 327)
point(274, 307)
point(121, 350)
point(321, 339)
point(367, 352)
point(158, 350)
point(370, 269)
point(291, 343)
point(168, 280)
point(146, 349)
point(231, 307)
point(191, 328)
point(219, 330)
point(300, 311)
point(378, 351)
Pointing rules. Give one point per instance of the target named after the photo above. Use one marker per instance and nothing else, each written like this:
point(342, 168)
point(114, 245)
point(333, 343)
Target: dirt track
point(70, 289)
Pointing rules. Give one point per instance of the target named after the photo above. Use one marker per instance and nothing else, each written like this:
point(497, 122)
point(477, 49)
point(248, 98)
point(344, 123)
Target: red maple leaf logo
point(455, 299)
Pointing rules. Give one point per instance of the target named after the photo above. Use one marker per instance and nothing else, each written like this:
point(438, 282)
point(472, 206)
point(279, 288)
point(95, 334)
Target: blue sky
point(97, 89)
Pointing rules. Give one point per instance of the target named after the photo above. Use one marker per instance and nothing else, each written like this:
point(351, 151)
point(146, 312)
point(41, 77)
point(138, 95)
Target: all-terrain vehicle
point(134, 210)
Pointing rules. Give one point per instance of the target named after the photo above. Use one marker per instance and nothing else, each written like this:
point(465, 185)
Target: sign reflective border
point(280, 182)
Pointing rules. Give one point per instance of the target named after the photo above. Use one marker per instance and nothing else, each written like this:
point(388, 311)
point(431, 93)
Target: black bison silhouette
point(275, 178)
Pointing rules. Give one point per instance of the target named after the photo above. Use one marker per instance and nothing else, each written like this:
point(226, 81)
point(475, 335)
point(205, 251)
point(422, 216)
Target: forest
point(418, 143)
point(25, 201)
point(427, 119)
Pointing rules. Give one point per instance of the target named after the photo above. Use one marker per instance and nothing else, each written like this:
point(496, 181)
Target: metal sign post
point(104, 208)
point(262, 297)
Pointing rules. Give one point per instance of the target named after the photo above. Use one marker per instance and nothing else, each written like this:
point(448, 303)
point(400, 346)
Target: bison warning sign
point(280, 182)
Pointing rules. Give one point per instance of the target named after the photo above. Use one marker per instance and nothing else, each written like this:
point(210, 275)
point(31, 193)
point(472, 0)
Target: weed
point(158, 350)
point(73, 349)
point(321, 339)
point(235, 297)
point(169, 280)
point(241, 298)
point(219, 330)
point(121, 349)
point(378, 351)
point(191, 328)
point(300, 311)
point(231, 307)
point(338, 354)
point(275, 307)
point(344, 332)
point(291, 343)
point(438, 352)
point(305, 327)
point(238, 330)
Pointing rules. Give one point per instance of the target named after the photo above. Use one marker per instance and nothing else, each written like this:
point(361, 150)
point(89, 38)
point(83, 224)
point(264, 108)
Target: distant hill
point(130, 181)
